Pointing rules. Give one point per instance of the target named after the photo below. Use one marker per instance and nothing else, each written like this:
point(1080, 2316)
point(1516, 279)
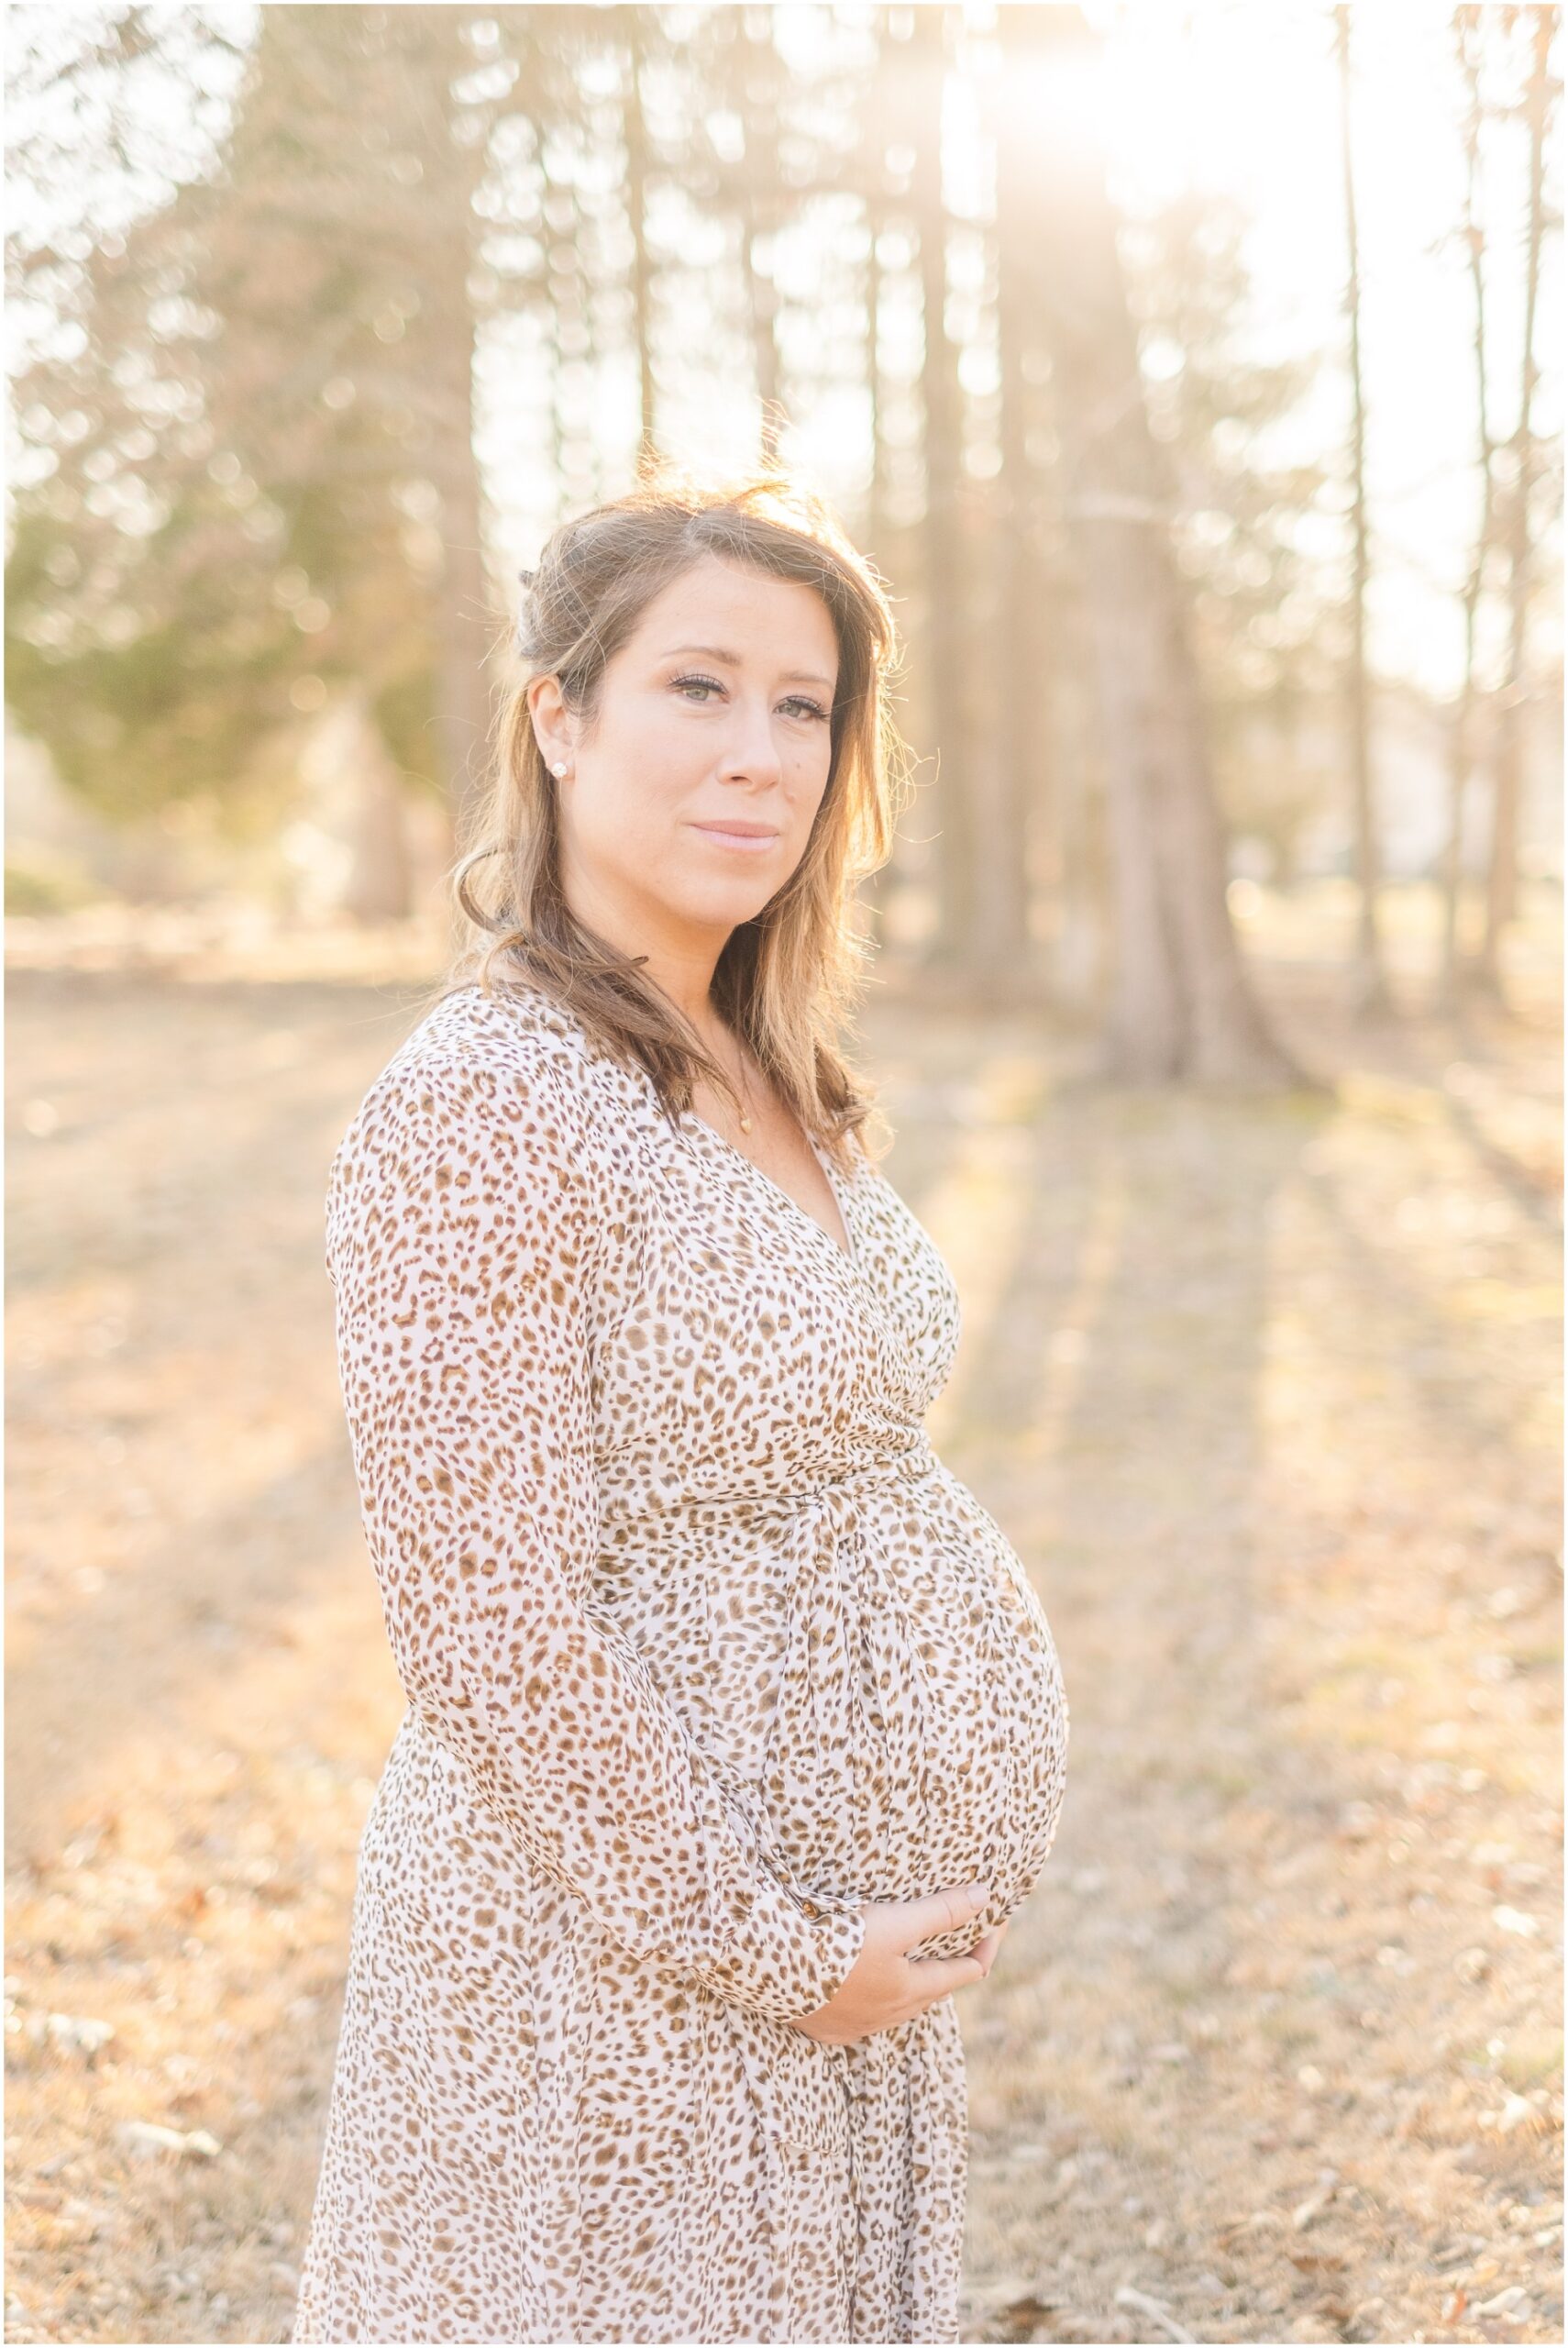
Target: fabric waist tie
point(627, 1491)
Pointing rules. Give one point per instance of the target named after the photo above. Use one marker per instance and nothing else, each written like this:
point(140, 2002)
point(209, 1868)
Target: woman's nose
point(753, 747)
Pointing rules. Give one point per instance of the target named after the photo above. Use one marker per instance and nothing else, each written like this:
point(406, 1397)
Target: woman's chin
point(727, 904)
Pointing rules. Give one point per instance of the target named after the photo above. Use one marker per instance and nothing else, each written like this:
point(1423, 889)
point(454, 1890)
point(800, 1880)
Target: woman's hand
point(884, 1985)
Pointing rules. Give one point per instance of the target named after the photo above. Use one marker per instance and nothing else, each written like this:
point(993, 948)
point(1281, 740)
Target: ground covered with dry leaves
point(1266, 1392)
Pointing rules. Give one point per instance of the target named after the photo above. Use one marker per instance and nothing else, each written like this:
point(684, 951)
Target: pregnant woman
point(735, 1731)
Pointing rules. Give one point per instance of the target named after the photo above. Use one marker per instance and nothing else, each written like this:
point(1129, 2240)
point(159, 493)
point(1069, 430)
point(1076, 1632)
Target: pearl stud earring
point(560, 770)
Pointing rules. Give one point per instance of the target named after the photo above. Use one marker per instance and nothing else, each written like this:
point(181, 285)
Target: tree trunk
point(875, 892)
point(1502, 877)
point(755, 64)
point(950, 811)
point(380, 883)
point(763, 298)
point(467, 613)
point(1003, 948)
point(1083, 875)
point(637, 139)
point(1182, 1005)
point(1468, 32)
point(1369, 985)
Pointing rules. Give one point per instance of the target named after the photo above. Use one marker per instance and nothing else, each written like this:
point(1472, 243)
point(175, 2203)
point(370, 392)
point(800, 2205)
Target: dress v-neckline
point(848, 1255)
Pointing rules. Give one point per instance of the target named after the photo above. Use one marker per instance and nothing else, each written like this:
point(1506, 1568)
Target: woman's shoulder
point(514, 1021)
point(486, 1099)
point(479, 1061)
point(514, 1037)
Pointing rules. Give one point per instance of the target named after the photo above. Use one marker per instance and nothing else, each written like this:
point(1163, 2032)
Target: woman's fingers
point(940, 1912)
point(939, 1976)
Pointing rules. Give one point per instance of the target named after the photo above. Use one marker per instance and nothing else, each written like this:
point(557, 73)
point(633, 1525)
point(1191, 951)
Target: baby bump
point(919, 1733)
point(872, 1658)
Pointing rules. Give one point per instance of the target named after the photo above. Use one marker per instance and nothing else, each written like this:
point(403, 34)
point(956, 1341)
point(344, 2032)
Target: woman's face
point(713, 722)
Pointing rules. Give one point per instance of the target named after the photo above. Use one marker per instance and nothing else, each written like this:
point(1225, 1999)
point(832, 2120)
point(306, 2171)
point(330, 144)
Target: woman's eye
point(711, 685)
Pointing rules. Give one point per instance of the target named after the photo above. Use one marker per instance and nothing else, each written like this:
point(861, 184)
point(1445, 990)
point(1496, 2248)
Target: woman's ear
point(552, 727)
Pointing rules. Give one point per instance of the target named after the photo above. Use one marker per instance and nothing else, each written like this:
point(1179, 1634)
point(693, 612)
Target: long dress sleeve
point(464, 1228)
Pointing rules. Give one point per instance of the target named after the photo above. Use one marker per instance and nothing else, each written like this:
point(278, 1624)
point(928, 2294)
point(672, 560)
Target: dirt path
point(1264, 1394)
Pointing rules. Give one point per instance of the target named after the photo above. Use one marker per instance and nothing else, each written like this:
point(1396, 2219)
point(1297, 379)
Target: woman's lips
point(745, 841)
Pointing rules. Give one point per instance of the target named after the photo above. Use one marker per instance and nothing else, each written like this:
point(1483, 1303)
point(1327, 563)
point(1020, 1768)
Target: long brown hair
point(787, 981)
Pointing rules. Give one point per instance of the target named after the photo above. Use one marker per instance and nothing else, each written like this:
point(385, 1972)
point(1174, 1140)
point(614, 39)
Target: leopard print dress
point(703, 1646)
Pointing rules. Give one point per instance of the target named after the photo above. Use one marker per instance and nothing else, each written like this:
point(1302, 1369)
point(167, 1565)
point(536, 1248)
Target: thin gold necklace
point(746, 1095)
point(739, 1074)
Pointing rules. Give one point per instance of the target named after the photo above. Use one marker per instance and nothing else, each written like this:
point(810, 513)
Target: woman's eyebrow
point(733, 660)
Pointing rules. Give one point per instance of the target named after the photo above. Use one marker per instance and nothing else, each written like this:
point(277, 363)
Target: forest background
point(1189, 374)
